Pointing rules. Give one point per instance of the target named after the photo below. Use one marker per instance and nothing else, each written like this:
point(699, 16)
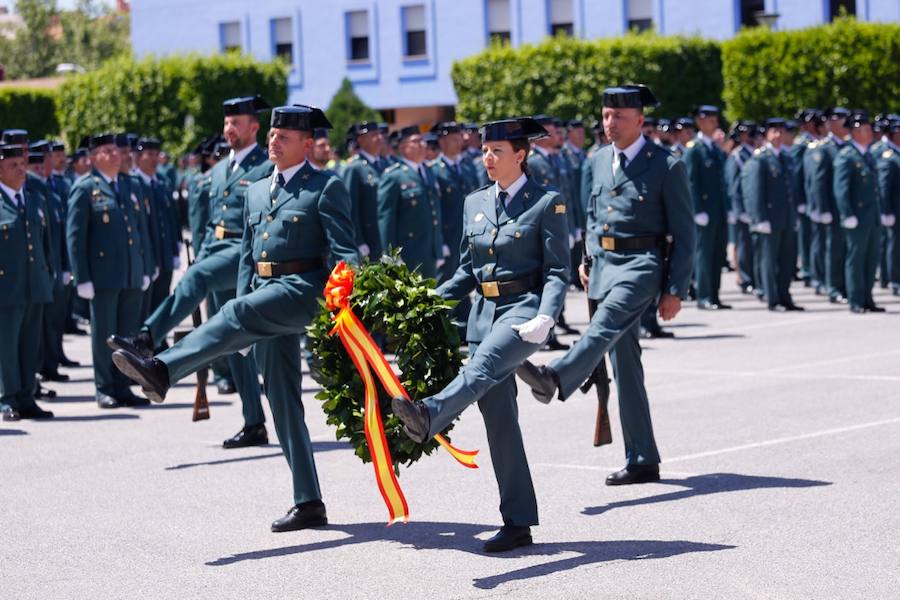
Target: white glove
point(763, 227)
point(445, 250)
point(888, 220)
point(440, 262)
point(745, 218)
point(850, 222)
point(155, 275)
point(176, 262)
point(701, 219)
point(245, 351)
point(364, 249)
point(571, 241)
point(732, 218)
point(801, 209)
point(145, 283)
point(578, 234)
point(825, 218)
point(175, 195)
point(85, 290)
point(815, 216)
point(535, 331)
point(67, 277)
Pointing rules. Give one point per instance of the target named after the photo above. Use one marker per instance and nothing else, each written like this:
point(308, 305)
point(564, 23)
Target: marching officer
point(216, 268)
point(857, 202)
point(640, 195)
point(291, 220)
point(767, 186)
point(705, 164)
point(889, 186)
point(26, 286)
point(744, 132)
point(361, 176)
point(808, 123)
point(106, 255)
point(516, 257)
point(409, 207)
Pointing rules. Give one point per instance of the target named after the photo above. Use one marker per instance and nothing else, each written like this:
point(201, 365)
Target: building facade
point(398, 53)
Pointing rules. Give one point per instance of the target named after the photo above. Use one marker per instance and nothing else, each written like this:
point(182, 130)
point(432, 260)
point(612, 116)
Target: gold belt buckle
point(264, 269)
point(490, 289)
point(220, 232)
point(608, 243)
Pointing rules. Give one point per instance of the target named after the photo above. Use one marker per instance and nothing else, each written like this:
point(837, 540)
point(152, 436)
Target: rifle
point(600, 379)
point(201, 403)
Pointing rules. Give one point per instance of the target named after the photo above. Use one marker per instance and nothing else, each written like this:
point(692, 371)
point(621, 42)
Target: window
point(358, 32)
point(749, 10)
point(230, 36)
point(498, 20)
point(283, 39)
point(840, 7)
point(414, 31)
point(640, 14)
point(561, 17)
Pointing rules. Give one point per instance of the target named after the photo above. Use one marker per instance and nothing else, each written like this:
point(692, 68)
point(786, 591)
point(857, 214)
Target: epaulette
point(813, 145)
point(690, 144)
point(759, 151)
point(887, 153)
point(394, 167)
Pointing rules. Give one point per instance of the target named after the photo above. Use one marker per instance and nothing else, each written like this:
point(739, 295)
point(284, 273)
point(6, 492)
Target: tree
point(347, 108)
point(31, 50)
point(93, 33)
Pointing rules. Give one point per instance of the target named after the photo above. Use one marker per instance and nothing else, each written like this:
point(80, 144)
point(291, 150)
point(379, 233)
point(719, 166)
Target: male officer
point(640, 195)
point(857, 202)
point(472, 151)
point(409, 207)
point(744, 133)
point(889, 187)
point(291, 220)
point(321, 150)
point(818, 163)
point(26, 286)
point(808, 123)
point(106, 255)
point(705, 164)
point(683, 133)
point(361, 176)
point(198, 192)
point(767, 186)
point(215, 270)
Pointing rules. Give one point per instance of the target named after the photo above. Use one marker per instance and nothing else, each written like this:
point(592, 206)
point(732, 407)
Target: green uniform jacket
point(856, 186)
point(574, 159)
point(530, 237)
point(409, 217)
point(26, 276)
point(198, 208)
point(798, 156)
point(454, 186)
point(54, 215)
point(889, 183)
point(475, 158)
point(706, 172)
point(767, 188)
point(818, 164)
point(548, 175)
point(733, 167)
point(361, 178)
point(310, 218)
point(161, 213)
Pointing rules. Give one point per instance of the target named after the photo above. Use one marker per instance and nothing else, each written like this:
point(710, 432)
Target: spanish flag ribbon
point(366, 355)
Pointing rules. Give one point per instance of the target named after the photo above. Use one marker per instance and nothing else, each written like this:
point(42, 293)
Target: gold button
point(130, 242)
point(606, 227)
point(489, 268)
point(2, 272)
point(491, 251)
point(30, 259)
point(609, 209)
point(28, 234)
point(222, 223)
point(295, 219)
point(225, 193)
point(518, 234)
point(101, 254)
point(266, 235)
point(30, 247)
point(410, 234)
point(224, 207)
point(640, 198)
point(412, 202)
point(614, 193)
point(269, 218)
point(494, 231)
point(435, 222)
point(128, 229)
point(264, 254)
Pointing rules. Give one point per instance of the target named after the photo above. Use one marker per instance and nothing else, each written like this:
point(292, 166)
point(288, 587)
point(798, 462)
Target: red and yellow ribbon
point(364, 353)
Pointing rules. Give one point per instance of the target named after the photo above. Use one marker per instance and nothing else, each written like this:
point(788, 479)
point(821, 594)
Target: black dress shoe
point(106, 401)
point(555, 344)
point(53, 376)
point(140, 344)
point(541, 379)
point(508, 538)
point(11, 414)
point(634, 474)
point(151, 373)
point(129, 398)
point(777, 308)
point(35, 412)
point(722, 305)
point(793, 307)
point(837, 299)
point(857, 309)
point(707, 305)
point(225, 387)
point(414, 416)
point(746, 288)
point(302, 516)
point(42, 392)
point(67, 362)
point(250, 435)
point(73, 329)
point(873, 308)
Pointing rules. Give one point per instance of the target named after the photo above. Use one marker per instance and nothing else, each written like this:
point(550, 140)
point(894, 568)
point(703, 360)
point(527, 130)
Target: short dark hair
point(522, 144)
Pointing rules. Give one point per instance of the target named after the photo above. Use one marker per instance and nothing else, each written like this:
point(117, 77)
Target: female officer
point(515, 255)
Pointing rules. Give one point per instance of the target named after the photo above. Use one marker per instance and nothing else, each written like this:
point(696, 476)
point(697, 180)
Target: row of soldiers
point(100, 225)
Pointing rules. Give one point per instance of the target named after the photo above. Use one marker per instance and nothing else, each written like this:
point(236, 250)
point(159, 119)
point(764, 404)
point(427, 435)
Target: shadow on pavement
point(317, 447)
point(67, 399)
point(12, 432)
point(461, 537)
point(713, 483)
point(712, 336)
point(171, 405)
point(76, 418)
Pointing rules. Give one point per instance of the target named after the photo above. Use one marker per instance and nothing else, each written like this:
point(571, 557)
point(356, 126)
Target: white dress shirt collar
point(775, 151)
point(288, 173)
point(631, 151)
point(240, 155)
point(513, 188)
point(862, 149)
point(372, 160)
point(706, 140)
point(12, 193)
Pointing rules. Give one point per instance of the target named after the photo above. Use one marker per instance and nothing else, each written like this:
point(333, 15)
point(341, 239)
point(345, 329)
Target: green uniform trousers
point(54, 324)
point(20, 347)
point(835, 257)
point(708, 261)
point(861, 264)
point(112, 312)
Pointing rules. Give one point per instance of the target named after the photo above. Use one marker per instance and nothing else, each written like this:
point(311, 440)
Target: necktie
point(279, 184)
point(231, 165)
point(423, 175)
point(501, 202)
point(19, 201)
point(623, 160)
point(115, 186)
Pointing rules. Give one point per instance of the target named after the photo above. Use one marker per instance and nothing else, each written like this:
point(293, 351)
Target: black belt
point(495, 289)
point(277, 269)
point(647, 242)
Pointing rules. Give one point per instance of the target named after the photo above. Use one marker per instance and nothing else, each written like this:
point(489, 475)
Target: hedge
point(565, 76)
point(31, 109)
point(847, 63)
point(178, 99)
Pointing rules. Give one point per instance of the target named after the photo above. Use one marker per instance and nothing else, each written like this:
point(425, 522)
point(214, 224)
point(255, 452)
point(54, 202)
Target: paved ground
point(780, 435)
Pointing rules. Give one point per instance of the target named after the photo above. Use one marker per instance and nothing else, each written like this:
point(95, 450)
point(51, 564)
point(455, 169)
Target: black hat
point(629, 96)
point(148, 143)
point(362, 128)
point(126, 140)
point(523, 128)
point(39, 147)
point(790, 125)
point(774, 122)
point(219, 149)
point(319, 133)
point(404, 132)
point(684, 123)
point(706, 110)
point(35, 158)
point(893, 125)
point(663, 125)
point(543, 119)
point(57, 146)
point(79, 153)
point(470, 127)
point(11, 151)
point(445, 128)
point(431, 139)
point(245, 105)
point(649, 122)
point(14, 136)
point(92, 142)
point(383, 128)
point(808, 115)
point(856, 119)
point(574, 123)
point(299, 117)
point(836, 113)
point(597, 125)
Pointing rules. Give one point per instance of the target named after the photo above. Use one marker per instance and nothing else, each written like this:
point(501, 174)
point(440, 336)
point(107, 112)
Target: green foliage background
point(178, 99)
point(566, 77)
point(31, 109)
point(345, 109)
point(847, 63)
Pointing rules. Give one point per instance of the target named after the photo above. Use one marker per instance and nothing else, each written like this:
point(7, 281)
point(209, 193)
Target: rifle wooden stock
point(600, 379)
point(201, 402)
